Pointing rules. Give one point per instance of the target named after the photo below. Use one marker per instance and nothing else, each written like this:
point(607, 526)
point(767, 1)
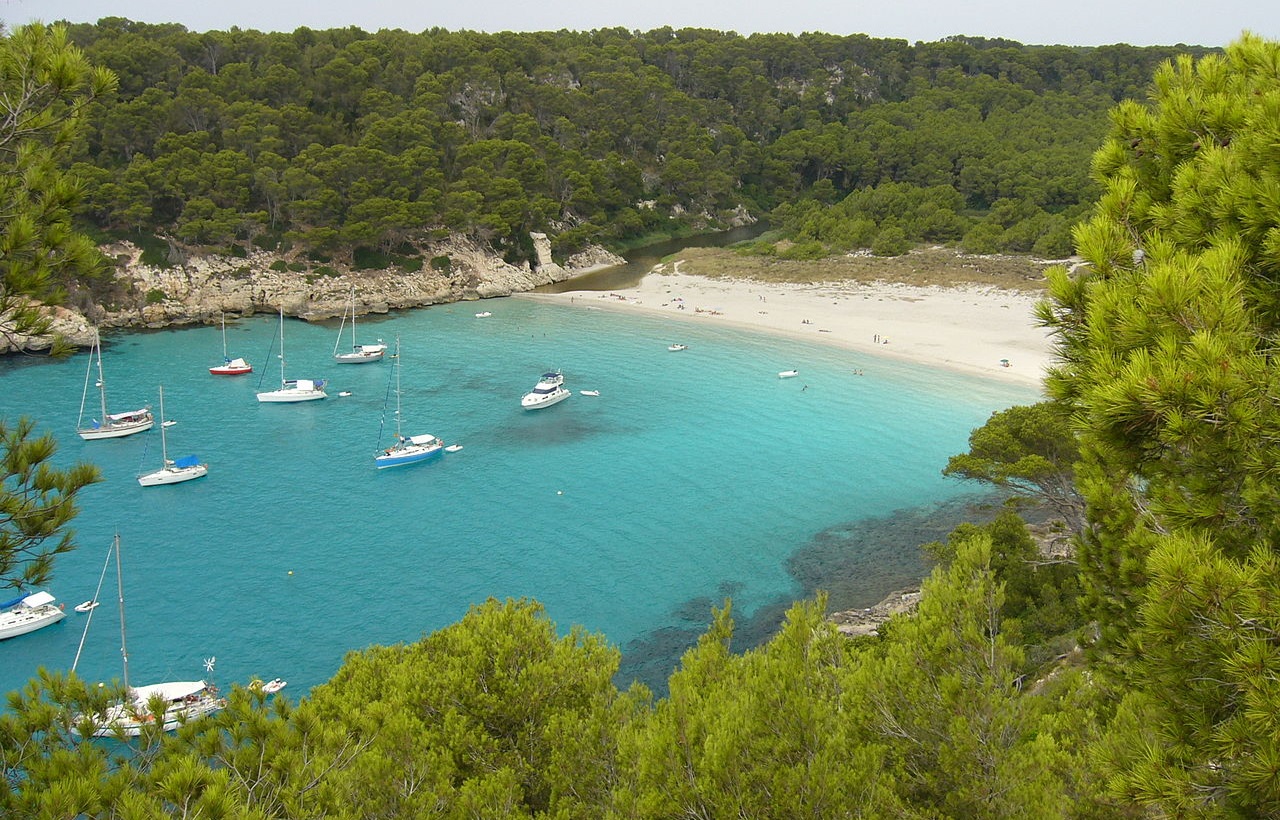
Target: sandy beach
point(978, 329)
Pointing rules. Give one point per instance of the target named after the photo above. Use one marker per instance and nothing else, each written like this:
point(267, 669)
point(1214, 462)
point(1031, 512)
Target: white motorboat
point(484, 314)
point(293, 390)
point(269, 687)
point(453, 448)
point(359, 354)
point(549, 390)
point(33, 611)
point(165, 705)
point(111, 425)
point(405, 449)
point(788, 374)
point(85, 606)
point(229, 366)
point(677, 347)
point(172, 471)
point(589, 392)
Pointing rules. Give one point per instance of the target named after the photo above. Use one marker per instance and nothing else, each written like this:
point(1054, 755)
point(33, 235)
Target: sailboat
point(110, 425)
point(229, 366)
point(293, 390)
point(359, 353)
point(172, 472)
point(183, 700)
point(405, 450)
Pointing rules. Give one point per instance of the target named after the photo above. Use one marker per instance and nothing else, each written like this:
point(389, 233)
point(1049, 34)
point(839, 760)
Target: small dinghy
point(483, 315)
point(345, 393)
point(453, 448)
point(677, 347)
point(589, 392)
point(788, 374)
point(85, 606)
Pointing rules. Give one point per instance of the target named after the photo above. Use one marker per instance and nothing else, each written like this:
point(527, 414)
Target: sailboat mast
point(282, 382)
point(224, 344)
point(102, 385)
point(353, 318)
point(124, 651)
point(164, 444)
point(398, 436)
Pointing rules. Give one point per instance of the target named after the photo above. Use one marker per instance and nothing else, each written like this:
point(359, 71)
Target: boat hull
point(407, 454)
point(123, 720)
point(116, 430)
point(289, 396)
point(13, 624)
point(537, 401)
point(231, 370)
point(173, 475)
point(359, 358)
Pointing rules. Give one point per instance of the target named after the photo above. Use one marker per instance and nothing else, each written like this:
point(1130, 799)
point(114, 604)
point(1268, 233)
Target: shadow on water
point(641, 260)
point(857, 564)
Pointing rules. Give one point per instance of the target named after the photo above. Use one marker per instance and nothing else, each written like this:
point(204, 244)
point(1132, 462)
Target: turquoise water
point(693, 476)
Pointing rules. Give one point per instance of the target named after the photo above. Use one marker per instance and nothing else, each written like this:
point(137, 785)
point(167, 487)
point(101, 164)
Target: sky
point(1032, 22)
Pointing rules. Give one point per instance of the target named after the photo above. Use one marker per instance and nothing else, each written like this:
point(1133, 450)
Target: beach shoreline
point(982, 330)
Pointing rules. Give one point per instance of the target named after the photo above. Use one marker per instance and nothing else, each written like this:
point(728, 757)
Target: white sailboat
point(359, 354)
point(180, 701)
point(29, 612)
point(109, 425)
point(405, 450)
point(229, 366)
point(176, 471)
point(293, 390)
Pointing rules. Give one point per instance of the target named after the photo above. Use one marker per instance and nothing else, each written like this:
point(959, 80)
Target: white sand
point(969, 328)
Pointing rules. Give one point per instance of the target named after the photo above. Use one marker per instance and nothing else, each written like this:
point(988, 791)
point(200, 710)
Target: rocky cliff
point(201, 290)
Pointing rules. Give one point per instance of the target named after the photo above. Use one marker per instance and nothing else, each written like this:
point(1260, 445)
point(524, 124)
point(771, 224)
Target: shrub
point(442, 263)
point(279, 265)
point(155, 296)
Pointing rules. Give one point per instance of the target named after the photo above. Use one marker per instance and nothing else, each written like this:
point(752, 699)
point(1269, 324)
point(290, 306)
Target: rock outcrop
point(204, 288)
point(858, 622)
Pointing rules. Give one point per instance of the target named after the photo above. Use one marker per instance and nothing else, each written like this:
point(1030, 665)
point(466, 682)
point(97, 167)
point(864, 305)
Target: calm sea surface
point(693, 477)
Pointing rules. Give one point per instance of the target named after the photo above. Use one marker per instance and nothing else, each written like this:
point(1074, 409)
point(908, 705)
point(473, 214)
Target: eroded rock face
point(202, 289)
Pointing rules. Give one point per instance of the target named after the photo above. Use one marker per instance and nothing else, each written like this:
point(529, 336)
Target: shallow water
point(692, 477)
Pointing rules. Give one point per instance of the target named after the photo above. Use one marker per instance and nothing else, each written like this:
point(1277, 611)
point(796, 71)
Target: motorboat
point(229, 366)
point(358, 354)
point(677, 347)
point(269, 687)
point(292, 390)
point(172, 471)
point(453, 448)
point(589, 392)
point(32, 611)
point(549, 390)
point(111, 425)
point(788, 374)
point(85, 606)
point(405, 449)
point(484, 314)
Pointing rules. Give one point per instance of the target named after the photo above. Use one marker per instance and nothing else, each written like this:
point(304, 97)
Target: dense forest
point(326, 142)
point(1134, 675)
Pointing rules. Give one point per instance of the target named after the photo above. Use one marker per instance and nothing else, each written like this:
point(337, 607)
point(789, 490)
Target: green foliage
point(442, 263)
point(37, 503)
point(279, 265)
point(1167, 370)
point(155, 296)
point(346, 138)
point(1031, 451)
point(48, 86)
